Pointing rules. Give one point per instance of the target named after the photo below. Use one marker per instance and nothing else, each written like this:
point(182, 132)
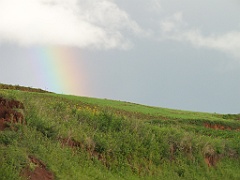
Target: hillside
point(50, 136)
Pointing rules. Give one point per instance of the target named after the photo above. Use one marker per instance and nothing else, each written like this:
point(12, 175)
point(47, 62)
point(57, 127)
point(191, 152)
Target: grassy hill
point(52, 136)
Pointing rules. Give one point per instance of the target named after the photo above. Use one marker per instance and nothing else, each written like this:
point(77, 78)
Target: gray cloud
point(92, 23)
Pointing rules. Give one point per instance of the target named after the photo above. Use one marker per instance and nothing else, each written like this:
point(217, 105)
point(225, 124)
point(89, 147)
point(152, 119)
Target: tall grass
point(117, 140)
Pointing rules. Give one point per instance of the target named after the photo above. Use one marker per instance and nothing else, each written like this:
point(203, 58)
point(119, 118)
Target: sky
point(166, 53)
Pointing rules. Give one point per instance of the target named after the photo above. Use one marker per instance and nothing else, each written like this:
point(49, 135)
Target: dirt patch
point(218, 127)
point(9, 113)
point(3, 124)
point(172, 150)
point(211, 160)
point(69, 142)
point(93, 154)
point(36, 170)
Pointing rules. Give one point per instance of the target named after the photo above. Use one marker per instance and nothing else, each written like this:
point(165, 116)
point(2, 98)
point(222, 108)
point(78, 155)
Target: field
point(52, 136)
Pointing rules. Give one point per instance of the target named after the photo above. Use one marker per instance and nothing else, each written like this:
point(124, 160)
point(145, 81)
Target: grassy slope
point(118, 140)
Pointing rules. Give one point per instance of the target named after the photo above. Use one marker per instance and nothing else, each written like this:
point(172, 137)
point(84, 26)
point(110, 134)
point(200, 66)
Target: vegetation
point(22, 88)
point(87, 138)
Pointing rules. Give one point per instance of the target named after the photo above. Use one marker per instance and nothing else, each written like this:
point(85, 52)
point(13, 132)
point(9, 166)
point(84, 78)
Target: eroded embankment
point(36, 170)
point(10, 113)
point(220, 127)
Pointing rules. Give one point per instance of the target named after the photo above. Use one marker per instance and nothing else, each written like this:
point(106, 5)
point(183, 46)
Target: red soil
point(9, 113)
point(39, 172)
point(211, 160)
point(72, 143)
point(217, 127)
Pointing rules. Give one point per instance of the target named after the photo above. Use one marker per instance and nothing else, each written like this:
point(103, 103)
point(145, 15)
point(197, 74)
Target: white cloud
point(228, 42)
point(175, 28)
point(172, 23)
point(155, 5)
point(81, 23)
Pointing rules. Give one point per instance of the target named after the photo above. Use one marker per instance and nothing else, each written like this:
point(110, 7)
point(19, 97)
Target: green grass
point(118, 140)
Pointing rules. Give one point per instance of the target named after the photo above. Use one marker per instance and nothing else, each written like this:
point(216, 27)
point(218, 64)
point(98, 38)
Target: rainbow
point(58, 69)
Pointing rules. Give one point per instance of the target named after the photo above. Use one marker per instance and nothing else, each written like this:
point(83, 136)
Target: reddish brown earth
point(72, 143)
point(211, 160)
point(219, 127)
point(9, 113)
point(38, 172)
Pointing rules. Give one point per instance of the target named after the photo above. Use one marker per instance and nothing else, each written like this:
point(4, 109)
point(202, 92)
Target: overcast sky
point(168, 53)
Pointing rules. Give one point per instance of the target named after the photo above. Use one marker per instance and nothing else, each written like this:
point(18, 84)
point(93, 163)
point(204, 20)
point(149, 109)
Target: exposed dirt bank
point(9, 113)
point(36, 170)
